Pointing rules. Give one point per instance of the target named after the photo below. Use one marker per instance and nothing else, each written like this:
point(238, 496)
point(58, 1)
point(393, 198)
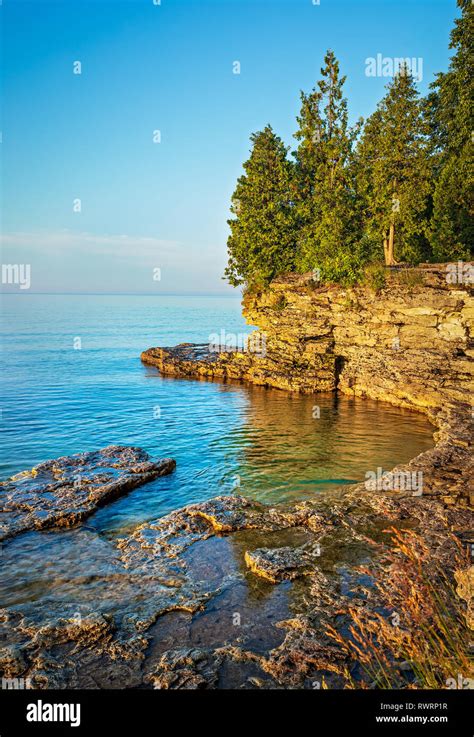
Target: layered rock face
point(410, 343)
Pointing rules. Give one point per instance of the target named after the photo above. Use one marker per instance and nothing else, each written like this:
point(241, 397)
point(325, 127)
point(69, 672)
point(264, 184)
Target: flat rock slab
point(279, 564)
point(182, 360)
point(184, 352)
point(63, 492)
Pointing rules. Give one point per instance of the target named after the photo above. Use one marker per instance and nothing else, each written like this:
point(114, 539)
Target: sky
point(119, 179)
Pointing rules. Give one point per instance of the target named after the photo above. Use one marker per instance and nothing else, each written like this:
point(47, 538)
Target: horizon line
point(121, 294)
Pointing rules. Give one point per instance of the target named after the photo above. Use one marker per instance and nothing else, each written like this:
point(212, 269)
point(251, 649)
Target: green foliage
point(262, 239)
point(394, 171)
point(375, 276)
point(406, 181)
point(450, 111)
point(325, 200)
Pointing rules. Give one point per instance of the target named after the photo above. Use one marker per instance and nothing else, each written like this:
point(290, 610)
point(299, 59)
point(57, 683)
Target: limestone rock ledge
point(279, 564)
point(411, 343)
point(65, 491)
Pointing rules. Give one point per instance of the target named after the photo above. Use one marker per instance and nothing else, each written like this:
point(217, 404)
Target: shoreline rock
point(67, 490)
point(168, 580)
point(278, 564)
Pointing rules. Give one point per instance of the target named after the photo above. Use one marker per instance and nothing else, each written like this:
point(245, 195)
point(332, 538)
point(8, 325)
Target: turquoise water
point(58, 400)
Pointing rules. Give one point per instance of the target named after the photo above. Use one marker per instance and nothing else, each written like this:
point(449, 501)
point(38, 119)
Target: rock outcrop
point(65, 491)
point(409, 343)
point(279, 564)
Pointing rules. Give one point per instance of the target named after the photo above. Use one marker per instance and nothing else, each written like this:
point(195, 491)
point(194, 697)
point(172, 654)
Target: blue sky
point(168, 67)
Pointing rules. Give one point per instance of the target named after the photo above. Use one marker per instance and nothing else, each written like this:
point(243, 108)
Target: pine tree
point(393, 173)
point(262, 239)
point(326, 207)
point(450, 106)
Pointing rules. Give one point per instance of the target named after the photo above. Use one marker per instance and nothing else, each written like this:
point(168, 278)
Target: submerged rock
point(65, 491)
point(278, 564)
point(186, 669)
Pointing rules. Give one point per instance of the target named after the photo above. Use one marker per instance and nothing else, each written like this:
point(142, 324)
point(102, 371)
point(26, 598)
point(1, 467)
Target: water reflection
point(290, 447)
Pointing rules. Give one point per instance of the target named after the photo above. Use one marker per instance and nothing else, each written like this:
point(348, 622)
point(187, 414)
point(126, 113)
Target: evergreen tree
point(450, 106)
point(326, 207)
point(262, 240)
point(394, 174)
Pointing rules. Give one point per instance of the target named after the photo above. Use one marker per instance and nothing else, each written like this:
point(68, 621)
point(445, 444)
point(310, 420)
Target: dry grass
point(420, 636)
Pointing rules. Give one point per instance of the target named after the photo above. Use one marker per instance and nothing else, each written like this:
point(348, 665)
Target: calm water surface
point(59, 400)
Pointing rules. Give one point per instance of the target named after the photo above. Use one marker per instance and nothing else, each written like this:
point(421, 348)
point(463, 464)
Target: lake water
point(59, 400)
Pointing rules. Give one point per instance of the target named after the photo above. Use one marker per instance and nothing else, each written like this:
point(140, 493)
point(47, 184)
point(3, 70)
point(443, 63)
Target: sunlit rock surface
point(175, 604)
point(278, 564)
point(63, 492)
point(409, 343)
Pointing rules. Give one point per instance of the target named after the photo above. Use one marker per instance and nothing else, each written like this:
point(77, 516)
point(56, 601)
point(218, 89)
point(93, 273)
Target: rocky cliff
point(409, 343)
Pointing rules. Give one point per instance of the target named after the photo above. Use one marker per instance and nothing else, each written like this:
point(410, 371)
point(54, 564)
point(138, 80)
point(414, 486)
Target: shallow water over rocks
point(186, 601)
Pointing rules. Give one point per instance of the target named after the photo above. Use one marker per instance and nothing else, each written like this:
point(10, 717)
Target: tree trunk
point(385, 250)
point(389, 257)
